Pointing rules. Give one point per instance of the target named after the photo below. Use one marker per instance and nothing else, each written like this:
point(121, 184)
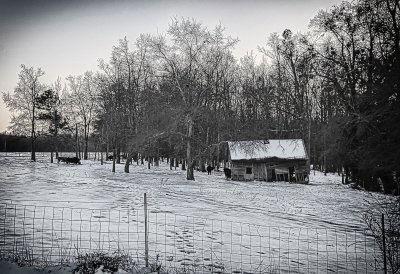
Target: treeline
point(16, 143)
point(182, 94)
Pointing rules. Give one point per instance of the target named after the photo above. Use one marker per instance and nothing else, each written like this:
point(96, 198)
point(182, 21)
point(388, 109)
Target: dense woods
point(183, 93)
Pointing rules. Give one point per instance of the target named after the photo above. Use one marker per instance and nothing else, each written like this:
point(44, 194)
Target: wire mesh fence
point(56, 235)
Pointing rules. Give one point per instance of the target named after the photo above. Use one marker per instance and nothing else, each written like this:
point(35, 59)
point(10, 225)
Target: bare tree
point(183, 61)
point(23, 103)
point(49, 104)
point(123, 82)
point(83, 100)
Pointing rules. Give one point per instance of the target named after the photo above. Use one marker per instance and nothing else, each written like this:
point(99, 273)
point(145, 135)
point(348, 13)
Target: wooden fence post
point(146, 234)
point(384, 244)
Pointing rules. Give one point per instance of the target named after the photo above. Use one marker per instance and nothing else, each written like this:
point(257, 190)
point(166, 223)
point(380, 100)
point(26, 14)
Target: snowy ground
point(325, 202)
point(210, 204)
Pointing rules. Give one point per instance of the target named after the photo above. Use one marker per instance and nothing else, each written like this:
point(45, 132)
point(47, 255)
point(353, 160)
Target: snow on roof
point(263, 149)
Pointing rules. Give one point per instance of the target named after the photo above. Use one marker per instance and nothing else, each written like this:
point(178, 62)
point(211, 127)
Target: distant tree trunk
point(148, 162)
point(128, 160)
point(208, 143)
point(309, 142)
point(101, 155)
point(218, 152)
point(79, 147)
point(77, 140)
point(183, 165)
point(202, 165)
point(113, 166)
point(55, 138)
point(189, 173)
point(85, 153)
point(325, 166)
point(51, 156)
point(118, 155)
point(171, 163)
point(157, 161)
point(86, 136)
point(33, 137)
point(107, 151)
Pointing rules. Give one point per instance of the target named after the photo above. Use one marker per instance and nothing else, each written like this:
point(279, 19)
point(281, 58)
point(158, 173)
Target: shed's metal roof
point(264, 149)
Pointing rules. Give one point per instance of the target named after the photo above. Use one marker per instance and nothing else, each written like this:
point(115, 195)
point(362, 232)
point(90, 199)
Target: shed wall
point(271, 170)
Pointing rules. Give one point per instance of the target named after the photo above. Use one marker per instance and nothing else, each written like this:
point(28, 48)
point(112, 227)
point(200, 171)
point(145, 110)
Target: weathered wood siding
point(240, 171)
point(271, 170)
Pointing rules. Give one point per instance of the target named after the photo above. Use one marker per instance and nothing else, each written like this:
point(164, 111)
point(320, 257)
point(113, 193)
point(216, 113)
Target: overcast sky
point(68, 37)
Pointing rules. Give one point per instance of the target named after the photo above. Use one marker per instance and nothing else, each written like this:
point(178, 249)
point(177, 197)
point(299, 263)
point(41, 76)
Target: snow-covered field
point(255, 225)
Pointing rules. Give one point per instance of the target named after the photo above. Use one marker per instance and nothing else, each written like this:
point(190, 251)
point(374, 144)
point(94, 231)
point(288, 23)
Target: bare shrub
point(387, 236)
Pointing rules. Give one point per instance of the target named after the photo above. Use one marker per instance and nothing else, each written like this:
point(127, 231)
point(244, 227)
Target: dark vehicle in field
point(69, 160)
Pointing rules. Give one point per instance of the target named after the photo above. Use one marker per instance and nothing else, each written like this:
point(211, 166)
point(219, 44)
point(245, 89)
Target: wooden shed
point(269, 160)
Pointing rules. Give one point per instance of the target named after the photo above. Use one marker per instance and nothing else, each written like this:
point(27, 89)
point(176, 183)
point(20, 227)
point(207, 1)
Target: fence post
point(146, 235)
point(384, 244)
